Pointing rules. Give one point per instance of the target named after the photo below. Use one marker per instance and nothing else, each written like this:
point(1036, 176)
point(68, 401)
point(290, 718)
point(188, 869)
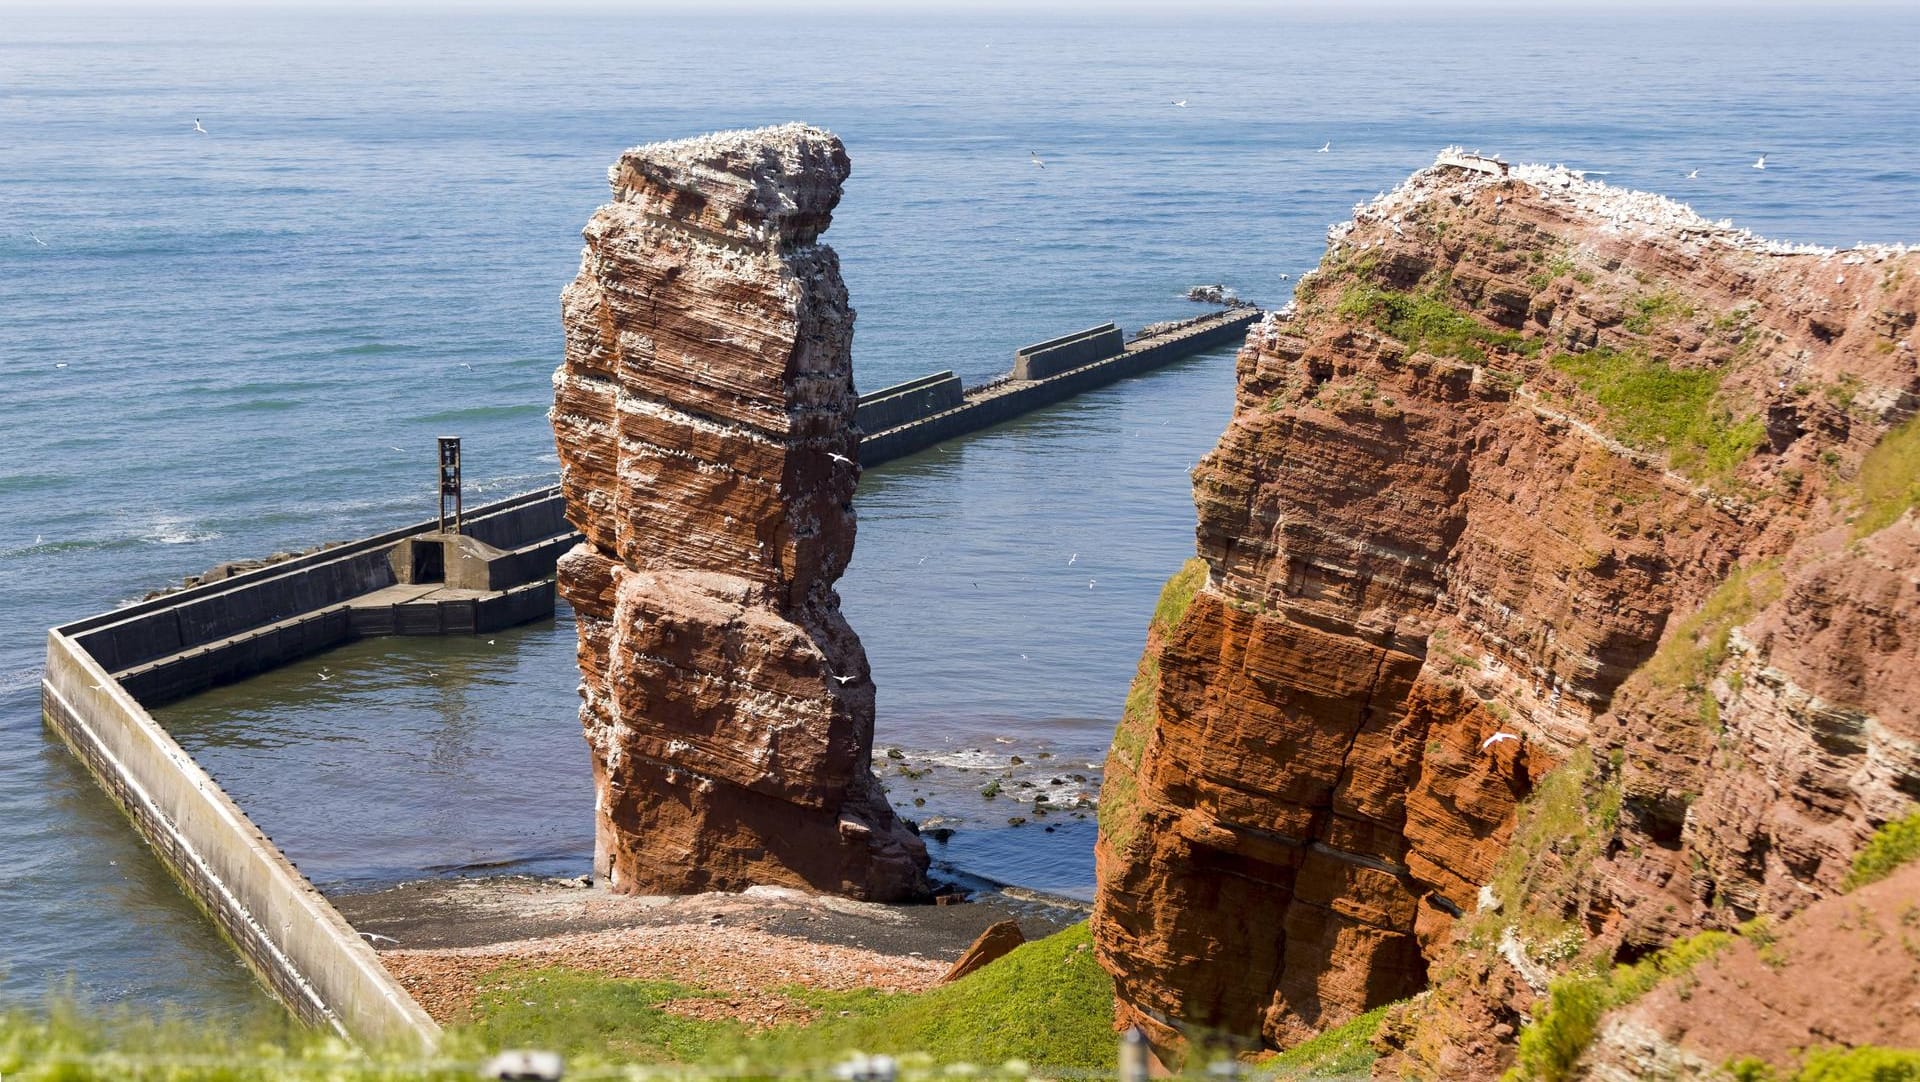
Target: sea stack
point(704, 419)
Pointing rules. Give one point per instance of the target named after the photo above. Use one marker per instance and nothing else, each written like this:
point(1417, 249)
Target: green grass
point(1178, 594)
point(69, 1044)
point(1559, 830)
point(579, 1013)
point(1889, 479)
point(1654, 309)
point(1656, 408)
point(1865, 1064)
point(1892, 845)
point(1695, 651)
point(1047, 1003)
point(1118, 813)
point(1550, 1048)
point(1425, 322)
point(1342, 1051)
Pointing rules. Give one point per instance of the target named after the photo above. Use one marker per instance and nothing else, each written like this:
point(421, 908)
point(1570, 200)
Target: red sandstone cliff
point(1529, 455)
point(704, 418)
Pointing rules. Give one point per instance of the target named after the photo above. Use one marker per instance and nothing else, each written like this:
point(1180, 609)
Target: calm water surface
point(251, 320)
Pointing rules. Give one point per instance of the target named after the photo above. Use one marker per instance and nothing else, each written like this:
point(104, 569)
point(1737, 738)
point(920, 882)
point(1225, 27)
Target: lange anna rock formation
point(1555, 602)
point(704, 418)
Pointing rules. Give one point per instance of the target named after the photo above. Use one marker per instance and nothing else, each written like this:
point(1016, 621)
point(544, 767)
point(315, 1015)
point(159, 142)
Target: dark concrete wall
point(1003, 402)
point(291, 589)
point(1057, 355)
point(457, 616)
point(907, 402)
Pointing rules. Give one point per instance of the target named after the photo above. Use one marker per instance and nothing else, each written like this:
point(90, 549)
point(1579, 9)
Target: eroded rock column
point(704, 419)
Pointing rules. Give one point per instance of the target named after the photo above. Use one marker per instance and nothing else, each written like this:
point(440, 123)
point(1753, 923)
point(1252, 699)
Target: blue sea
point(212, 345)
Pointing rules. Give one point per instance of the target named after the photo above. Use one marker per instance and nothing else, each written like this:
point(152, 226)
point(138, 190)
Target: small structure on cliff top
point(705, 422)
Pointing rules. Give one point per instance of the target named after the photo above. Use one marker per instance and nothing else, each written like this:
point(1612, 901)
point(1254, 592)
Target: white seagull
point(1182, 103)
point(198, 128)
point(1034, 156)
point(36, 238)
point(1325, 148)
point(466, 366)
point(1090, 583)
point(1495, 739)
point(326, 676)
point(1692, 175)
point(838, 457)
point(375, 937)
point(1072, 558)
point(844, 680)
point(60, 364)
point(1760, 162)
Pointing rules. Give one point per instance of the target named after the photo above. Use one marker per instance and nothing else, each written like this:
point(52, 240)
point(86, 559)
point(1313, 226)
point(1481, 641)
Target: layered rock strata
point(1537, 478)
point(704, 419)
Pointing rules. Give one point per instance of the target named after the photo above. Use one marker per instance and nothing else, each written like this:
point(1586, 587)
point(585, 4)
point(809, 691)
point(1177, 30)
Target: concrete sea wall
point(291, 936)
point(1057, 355)
point(302, 949)
point(995, 403)
point(186, 642)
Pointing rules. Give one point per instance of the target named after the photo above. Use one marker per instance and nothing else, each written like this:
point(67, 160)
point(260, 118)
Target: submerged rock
point(704, 419)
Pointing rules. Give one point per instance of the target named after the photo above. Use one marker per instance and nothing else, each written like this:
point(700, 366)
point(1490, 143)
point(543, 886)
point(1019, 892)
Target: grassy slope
point(1339, 1053)
point(1047, 1003)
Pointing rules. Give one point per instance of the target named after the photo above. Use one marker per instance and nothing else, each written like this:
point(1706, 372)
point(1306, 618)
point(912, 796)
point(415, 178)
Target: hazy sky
point(994, 7)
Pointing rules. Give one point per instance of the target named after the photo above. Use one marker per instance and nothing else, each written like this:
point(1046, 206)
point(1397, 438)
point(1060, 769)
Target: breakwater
point(103, 674)
point(494, 574)
point(1056, 370)
point(105, 671)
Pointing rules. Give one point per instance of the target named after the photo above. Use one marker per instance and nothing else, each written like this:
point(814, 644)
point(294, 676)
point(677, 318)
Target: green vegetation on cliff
point(1889, 480)
point(1178, 594)
point(1118, 811)
point(1559, 831)
point(1867, 1063)
point(1892, 845)
point(1660, 409)
point(1342, 1052)
point(1550, 1048)
point(1694, 652)
point(1425, 322)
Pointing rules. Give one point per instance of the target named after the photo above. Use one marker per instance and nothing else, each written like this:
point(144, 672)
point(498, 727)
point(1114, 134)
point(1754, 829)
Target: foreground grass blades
point(1046, 1005)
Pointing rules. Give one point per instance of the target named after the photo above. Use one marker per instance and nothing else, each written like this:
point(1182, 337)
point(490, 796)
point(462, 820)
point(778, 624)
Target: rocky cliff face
point(1558, 600)
point(704, 418)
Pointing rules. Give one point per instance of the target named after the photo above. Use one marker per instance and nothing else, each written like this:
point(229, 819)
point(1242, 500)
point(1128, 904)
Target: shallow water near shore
point(252, 320)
